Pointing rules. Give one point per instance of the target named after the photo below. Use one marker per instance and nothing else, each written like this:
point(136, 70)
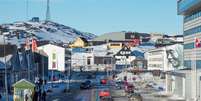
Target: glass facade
point(189, 45)
point(192, 31)
point(192, 17)
point(198, 64)
point(187, 64)
point(184, 5)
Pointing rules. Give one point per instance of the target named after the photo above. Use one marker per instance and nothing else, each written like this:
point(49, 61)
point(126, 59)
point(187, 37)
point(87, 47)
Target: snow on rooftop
point(50, 31)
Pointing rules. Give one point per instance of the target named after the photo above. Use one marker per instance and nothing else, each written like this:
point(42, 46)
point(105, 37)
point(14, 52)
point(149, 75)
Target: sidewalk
point(160, 97)
point(119, 95)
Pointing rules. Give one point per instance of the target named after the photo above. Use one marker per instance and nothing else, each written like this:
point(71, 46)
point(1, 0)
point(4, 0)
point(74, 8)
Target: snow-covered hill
point(18, 32)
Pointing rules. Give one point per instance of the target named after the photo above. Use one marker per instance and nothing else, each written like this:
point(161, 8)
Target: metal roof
point(115, 36)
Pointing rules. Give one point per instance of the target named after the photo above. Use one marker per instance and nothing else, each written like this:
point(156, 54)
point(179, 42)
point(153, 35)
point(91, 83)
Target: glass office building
point(191, 10)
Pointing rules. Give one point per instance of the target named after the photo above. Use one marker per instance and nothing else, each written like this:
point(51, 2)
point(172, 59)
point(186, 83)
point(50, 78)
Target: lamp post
point(6, 82)
point(68, 74)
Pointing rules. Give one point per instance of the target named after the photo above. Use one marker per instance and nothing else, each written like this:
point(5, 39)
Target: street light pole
point(6, 82)
point(69, 74)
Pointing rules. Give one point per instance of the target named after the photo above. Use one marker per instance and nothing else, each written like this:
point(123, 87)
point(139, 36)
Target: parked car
point(86, 85)
point(119, 84)
point(103, 81)
point(108, 98)
point(105, 95)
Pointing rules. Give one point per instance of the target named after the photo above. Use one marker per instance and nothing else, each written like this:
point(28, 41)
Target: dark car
point(119, 85)
point(86, 85)
point(109, 98)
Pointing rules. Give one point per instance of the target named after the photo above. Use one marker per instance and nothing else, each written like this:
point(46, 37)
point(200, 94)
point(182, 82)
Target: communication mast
point(48, 17)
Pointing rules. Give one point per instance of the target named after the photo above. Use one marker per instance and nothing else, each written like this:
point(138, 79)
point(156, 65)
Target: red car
point(104, 93)
point(103, 81)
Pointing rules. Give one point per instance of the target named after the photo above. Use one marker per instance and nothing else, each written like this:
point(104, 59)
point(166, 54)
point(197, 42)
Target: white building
point(165, 58)
point(178, 83)
point(56, 56)
point(82, 58)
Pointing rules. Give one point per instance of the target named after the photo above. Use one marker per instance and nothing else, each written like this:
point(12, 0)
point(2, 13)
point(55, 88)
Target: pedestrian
point(0, 96)
point(45, 82)
point(39, 94)
point(35, 98)
point(44, 96)
point(26, 97)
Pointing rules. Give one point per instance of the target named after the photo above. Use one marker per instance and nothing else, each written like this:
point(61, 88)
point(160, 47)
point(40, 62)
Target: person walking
point(39, 95)
point(44, 96)
point(35, 98)
point(26, 97)
point(0, 96)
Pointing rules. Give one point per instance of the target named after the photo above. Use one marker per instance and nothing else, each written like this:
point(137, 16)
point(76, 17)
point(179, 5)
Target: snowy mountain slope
point(18, 32)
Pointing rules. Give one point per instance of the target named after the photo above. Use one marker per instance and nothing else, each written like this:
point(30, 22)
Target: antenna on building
point(48, 11)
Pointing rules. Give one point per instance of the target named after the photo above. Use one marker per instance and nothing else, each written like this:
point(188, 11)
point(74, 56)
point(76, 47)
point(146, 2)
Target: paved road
point(79, 95)
point(85, 95)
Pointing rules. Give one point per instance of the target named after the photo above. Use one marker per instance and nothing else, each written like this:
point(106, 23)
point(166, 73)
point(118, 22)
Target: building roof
point(115, 36)
point(50, 44)
point(137, 54)
point(41, 52)
point(23, 84)
point(84, 39)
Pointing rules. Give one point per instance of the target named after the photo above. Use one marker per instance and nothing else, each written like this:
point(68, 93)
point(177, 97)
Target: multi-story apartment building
point(191, 10)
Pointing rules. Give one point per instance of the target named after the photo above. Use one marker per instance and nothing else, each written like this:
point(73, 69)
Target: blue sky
point(100, 16)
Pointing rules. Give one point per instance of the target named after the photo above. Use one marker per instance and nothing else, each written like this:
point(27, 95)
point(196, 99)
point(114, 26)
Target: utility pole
point(43, 68)
point(69, 74)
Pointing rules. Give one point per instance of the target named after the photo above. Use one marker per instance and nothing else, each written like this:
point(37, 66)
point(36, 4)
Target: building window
point(187, 63)
point(189, 46)
point(192, 31)
point(192, 17)
point(88, 61)
point(198, 64)
point(115, 44)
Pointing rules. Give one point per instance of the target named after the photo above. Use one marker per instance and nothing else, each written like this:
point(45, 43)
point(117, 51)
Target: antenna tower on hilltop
point(48, 17)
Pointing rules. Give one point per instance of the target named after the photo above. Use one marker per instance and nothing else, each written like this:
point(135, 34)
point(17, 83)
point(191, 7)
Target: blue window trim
point(192, 17)
point(187, 63)
point(198, 64)
point(192, 31)
point(189, 46)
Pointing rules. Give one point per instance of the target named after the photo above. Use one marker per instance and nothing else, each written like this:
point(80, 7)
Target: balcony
point(186, 7)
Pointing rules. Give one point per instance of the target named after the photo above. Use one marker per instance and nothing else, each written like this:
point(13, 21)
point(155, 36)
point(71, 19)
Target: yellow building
point(115, 45)
point(80, 42)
